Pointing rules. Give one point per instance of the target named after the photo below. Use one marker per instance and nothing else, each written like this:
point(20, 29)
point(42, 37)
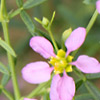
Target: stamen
point(61, 63)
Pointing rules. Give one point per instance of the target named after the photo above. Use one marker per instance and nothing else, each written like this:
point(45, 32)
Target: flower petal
point(87, 64)
point(98, 6)
point(42, 46)
point(29, 99)
point(53, 91)
point(36, 72)
point(62, 88)
point(75, 40)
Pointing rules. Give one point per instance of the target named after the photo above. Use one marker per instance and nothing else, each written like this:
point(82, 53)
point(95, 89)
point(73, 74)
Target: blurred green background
point(69, 13)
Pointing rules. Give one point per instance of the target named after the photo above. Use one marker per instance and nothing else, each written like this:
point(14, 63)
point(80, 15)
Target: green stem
point(11, 62)
point(80, 74)
point(52, 38)
point(77, 74)
point(8, 94)
point(93, 19)
point(37, 90)
point(89, 26)
point(90, 90)
point(10, 58)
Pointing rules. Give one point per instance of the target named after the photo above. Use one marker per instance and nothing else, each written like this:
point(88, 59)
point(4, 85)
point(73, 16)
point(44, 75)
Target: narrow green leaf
point(4, 69)
point(7, 94)
point(86, 96)
point(93, 90)
point(28, 22)
point(19, 3)
point(16, 12)
point(1, 88)
point(5, 79)
point(78, 84)
point(52, 19)
point(0, 91)
point(31, 3)
point(7, 47)
point(93, 76)
point(89, 1)
point(41, 33)
point(46, 96)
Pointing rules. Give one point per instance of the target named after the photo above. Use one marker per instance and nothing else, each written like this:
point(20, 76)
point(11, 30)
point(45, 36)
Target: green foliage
point(31, 3)
point(85, 96)
point(7, 47)
point(70, 18)
point(92, 90)
point(11, 15)
point(78, 84)
point(8, 94)
point(5, 79)
point(46, 96)
point(0, 91)
point(45, 22)
point(52, 19)
point(19, 3)
point(4, 69)
point(25, 17)
point(28, 22)
point(41, 33)
point(93, 76)
point(89, 2)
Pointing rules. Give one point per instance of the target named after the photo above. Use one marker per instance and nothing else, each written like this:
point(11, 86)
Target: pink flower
point(98, 6)
point(62, 88)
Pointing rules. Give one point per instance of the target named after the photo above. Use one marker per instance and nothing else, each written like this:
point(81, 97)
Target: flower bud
point(45, 22)
point(66, 34)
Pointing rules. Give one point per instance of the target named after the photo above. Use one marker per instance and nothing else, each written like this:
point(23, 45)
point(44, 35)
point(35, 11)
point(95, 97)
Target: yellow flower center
point(61, 62)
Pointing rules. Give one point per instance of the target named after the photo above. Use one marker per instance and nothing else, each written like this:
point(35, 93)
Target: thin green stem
point(89, 26)
point(80, 74)
point(11, 62)
point(8, 94)
point(90, 90)
point(2, 8)
point(52, 38)
point(91, 22)
point(37, 90)
point(77, 73)
point(10, 58)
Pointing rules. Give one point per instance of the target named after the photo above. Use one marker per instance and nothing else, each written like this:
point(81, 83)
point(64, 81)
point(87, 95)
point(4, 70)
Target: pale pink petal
point(53, 91)
point(62, 88)
point(87, 64)
point(29, 99)
point(42, 46)
point(36, 72)
point(75, 40)
point(98, 6)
